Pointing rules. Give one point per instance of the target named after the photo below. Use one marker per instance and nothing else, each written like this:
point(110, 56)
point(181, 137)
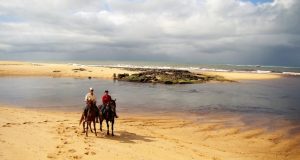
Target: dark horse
point(89, 118)
point(108, 116)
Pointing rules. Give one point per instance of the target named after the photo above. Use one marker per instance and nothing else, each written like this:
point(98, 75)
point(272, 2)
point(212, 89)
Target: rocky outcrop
point(169, 76)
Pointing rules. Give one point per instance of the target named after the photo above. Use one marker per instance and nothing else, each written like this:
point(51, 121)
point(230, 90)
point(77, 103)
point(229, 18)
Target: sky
point(258, 32)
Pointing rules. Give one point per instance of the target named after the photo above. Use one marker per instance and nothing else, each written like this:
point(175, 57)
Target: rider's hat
point(106, 91)
point(91, 89)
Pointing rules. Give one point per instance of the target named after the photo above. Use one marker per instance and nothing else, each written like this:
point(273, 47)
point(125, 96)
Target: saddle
point(105, 108)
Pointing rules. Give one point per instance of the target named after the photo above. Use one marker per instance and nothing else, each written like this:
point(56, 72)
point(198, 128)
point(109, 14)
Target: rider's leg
point(103, 109)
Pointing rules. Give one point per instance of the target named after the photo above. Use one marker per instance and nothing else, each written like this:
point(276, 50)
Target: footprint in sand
point(59, 146)
point(10, 124)
point(76, 157)
point(93, 153)
point(6, 125)
point(71, 150)
point(27, 122)
point(51, 156)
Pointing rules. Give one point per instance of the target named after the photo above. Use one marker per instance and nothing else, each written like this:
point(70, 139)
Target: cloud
point(198, 31)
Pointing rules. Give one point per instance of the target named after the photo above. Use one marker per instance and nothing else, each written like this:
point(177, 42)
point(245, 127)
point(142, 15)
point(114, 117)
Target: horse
point(109, 116)
point(89, 118)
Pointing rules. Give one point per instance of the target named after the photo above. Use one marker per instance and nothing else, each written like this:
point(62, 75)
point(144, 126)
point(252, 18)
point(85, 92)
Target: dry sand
point(11, 68)
point(39, 134)
point(244, 75)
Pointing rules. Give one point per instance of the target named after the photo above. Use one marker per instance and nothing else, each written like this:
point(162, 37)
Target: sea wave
point(291, 73)
point(193, 68)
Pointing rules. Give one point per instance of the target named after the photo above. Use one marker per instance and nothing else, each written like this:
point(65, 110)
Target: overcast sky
point(262, 32)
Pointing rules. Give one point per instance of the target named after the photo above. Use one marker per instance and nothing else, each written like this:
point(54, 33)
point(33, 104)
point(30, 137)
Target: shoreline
point(56, 135)
point(18, 68)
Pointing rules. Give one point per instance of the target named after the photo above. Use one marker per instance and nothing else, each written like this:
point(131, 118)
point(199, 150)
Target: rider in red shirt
point(106, 98)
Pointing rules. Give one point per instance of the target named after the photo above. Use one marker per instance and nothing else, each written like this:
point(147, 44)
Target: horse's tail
point(81, 119)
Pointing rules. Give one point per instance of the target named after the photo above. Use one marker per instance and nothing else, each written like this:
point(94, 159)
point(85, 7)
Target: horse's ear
point(115, 99)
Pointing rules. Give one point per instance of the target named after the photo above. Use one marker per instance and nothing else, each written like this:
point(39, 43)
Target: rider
point(106, 98)
point(90, 97)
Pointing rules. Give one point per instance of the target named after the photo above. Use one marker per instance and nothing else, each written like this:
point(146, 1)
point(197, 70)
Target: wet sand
point(43, 134)
point(15, 68)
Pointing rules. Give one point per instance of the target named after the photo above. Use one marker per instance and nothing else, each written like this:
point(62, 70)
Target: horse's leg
point(112, 127)
point(87, 128)
point(101, 120)
point(94, 122)
point(90, 124)
point(83, 124)
point(107, 127)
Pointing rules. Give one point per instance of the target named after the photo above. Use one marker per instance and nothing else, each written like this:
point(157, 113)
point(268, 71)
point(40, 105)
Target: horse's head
point(89, 102)
point(113, 102)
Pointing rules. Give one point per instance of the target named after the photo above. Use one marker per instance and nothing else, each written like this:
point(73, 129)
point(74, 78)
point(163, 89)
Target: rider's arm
point(86, 96)
point(102, 99)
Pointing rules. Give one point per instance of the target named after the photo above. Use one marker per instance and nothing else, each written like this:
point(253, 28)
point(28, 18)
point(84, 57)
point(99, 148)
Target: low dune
point(40, 134)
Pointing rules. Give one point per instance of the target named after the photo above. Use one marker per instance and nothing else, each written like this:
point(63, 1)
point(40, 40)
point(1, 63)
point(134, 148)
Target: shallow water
point(267, 97)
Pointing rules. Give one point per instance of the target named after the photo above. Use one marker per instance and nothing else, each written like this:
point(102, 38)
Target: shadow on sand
point(128, 137)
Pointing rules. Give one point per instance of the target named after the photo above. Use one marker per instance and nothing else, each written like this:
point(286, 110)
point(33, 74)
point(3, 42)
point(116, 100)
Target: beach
point(41, 104)
point(45, 134)
point(182, 80)
point(17, 68)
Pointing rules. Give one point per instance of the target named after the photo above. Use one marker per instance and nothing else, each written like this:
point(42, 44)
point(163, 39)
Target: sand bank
point(11, 68)
point(36, 134)
point(244, 75)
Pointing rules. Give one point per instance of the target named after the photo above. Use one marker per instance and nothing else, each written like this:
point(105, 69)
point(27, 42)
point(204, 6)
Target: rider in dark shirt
point(106, 98)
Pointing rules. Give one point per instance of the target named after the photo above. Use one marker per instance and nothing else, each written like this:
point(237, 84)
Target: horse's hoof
point(112, 134)
point(83, 131)
point(107, 133)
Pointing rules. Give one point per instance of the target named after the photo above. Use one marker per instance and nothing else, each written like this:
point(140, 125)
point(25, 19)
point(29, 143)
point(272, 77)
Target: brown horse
point(109, 116)
point(89, 118)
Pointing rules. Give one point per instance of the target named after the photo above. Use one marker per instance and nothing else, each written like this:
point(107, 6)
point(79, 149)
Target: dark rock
point(120, 76)
point(168, 76)
point(168, 82)
point(79, 69)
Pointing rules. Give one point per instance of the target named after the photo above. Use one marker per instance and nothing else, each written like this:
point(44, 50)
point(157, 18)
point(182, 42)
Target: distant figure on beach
point(106, 99)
